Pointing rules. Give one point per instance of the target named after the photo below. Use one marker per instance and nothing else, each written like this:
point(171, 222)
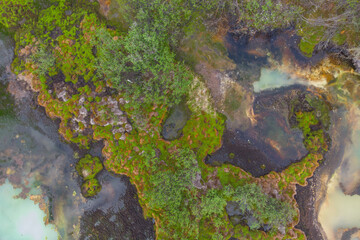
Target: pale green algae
point(271, 79)
point(274, 78)
point(22, 219)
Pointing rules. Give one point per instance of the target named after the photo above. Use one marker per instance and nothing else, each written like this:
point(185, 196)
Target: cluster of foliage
point(16, 12)
point(44, 61)
point(323, 22)
point(173, 191)
point(90, 187)
point(264, 14)
point(266, 209)
point(184, 207)
point(139, 63)
point(88, 167)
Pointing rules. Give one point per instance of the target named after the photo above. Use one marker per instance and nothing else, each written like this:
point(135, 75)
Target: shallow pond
point(266, 66)
point(175, 122)
point(270, 144)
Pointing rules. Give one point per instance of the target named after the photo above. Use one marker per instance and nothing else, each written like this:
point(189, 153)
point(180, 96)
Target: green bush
point(266, 209)
point(142, 64)
point(44, 60)
point(213, 203)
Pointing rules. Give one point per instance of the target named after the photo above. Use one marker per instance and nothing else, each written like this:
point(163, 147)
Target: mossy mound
point(90, 187)
point(88, 167)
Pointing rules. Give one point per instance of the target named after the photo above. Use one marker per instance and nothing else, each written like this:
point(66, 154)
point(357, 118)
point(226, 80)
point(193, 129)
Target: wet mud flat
point(118, 214)
point(272, 144)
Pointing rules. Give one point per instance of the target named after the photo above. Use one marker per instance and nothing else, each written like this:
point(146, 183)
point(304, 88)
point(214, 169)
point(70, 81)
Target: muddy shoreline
point(310, 197)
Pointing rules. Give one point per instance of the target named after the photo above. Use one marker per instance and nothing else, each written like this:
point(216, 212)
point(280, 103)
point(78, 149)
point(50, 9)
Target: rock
point(29, 78)
point(68, 12)
point(117, 112)
point(18, 89)
point(85, 173)
point(235, 220)
point(267, 227)
point(62, 95)
point(282, 230)
point(232, 209)
point(176, 121)
point(122, 120)
point(82, 100)
point(357, 64)
point(197, 181)
point(83, 111)
point(253, 223)
point(74, 125)
point(121, 101)
point(128, 127)
point(118, 130)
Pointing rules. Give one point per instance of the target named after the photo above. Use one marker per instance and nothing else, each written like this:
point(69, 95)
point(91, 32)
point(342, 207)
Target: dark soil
point(251, 150)
point(118, 224)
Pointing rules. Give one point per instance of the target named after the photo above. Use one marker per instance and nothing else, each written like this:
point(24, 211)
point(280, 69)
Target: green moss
point(90, 187)
point(311, 36)
point(88, 167)
point(13, 12)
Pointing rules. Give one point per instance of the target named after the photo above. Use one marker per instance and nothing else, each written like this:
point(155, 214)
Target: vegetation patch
point(90, 187)
point(88, 167)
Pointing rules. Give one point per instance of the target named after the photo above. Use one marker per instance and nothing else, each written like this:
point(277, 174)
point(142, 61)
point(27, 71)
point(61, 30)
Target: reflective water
point(22, 219)
point(341, 207)
point(273, 78)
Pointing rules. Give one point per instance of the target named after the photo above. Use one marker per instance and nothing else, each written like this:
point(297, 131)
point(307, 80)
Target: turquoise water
point(271, 79)
point(22, 219)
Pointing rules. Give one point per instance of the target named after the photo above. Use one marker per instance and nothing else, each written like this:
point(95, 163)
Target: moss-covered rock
point(88, 167)
point(90, 187)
